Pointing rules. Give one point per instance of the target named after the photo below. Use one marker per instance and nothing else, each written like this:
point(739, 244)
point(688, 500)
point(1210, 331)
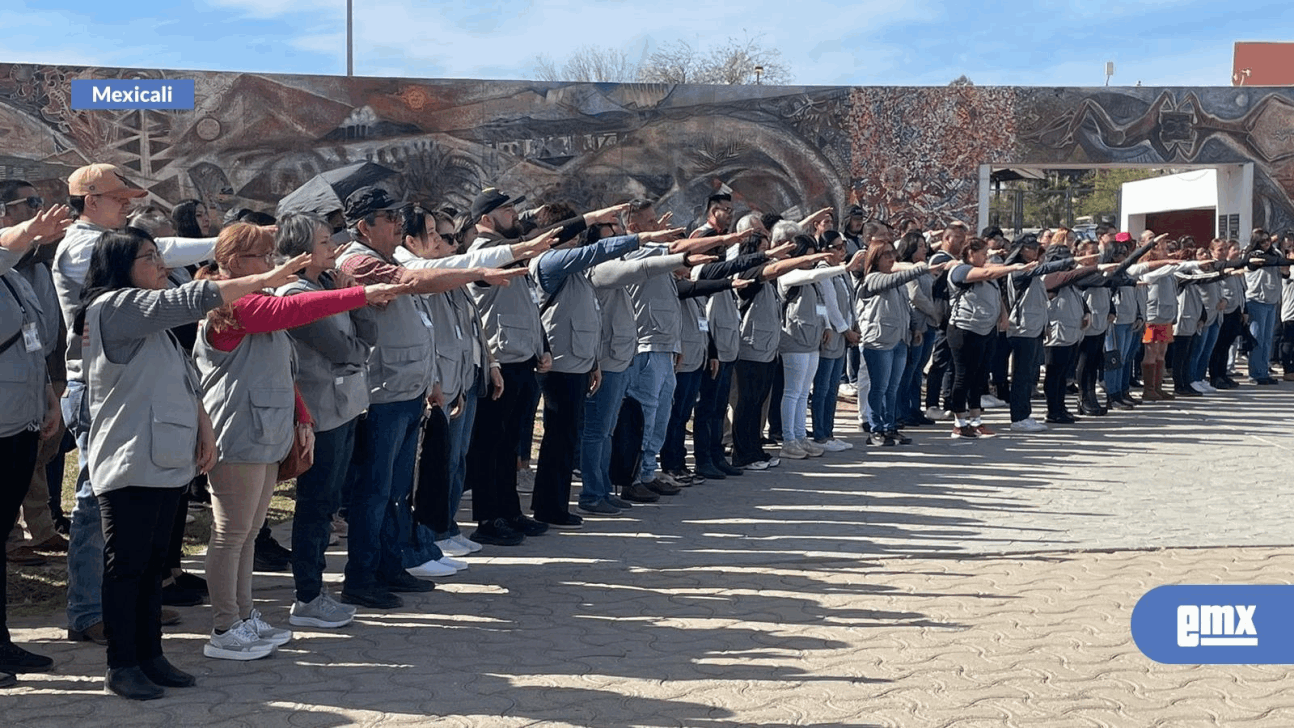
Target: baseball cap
point(491, 199)
point(1123, 238)
point(101, 179)
point(367, 200)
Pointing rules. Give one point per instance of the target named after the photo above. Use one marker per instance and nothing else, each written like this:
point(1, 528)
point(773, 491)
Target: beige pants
point(35, 505)
point(240, 498)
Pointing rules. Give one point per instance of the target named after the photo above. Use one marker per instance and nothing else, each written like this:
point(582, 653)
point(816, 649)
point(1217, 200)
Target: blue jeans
point(707, 424)
point(460, 436)
point(687, 385)
point(600, 414)
point(909, 404)
point(1262, 327)
point(885, 367)
point(318, 498)
point(797, 379)
point(651, 383)
point(85, 542)
point(379, 514)
point(1119, 338)
point(1202, 349)
point(822, 400)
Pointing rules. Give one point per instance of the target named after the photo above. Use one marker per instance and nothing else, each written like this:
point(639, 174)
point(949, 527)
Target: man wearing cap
point(102, 199)
point(401, 376)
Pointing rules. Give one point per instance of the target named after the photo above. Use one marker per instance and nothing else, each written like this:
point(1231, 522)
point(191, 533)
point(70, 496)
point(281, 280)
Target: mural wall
point(898, 152)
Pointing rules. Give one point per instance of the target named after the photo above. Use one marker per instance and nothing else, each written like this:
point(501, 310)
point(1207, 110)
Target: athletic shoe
point(811, 447)
point(710, 471)
point(320, 612)
point(772, 461)
point(964, 431)
point(1208, 389)
point(879, 439)
point(273, 635)
point(618, 502)
point(793, 450)
point(895, 436)
point(450, 547)
point(1199, 387)
point(638, 493)
point(757, 465)
point(671, 479)
point(599, 508)
point(375, 598)
point(725, 468)
point(240, 642)
point(566, 521)
point(682, 478)
point(988, 401)
point(1028, 424)
point(527, 525)
point(983, 431)
point(831, 445)
point(467, 543)
point(935, 414)
point(453, 563)
point(497, 532)
point(661, 486)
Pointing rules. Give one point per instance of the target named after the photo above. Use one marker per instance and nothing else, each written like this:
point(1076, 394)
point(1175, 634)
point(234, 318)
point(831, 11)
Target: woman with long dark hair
point(191, 219)
point(912, 250)
point(150, 435)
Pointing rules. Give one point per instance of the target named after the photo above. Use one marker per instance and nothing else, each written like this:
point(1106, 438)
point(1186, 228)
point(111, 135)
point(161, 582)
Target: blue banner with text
point(1228, 624)
point(156, 94)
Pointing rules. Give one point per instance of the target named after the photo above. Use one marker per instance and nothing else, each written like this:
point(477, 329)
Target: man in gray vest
point(401, 376)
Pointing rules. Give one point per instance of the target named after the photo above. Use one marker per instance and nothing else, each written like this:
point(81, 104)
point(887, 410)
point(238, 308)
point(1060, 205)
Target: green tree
point(1103, 201)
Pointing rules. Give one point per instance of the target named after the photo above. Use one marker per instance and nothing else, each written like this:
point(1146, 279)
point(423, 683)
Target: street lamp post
point(759, 73)
point(350, 38)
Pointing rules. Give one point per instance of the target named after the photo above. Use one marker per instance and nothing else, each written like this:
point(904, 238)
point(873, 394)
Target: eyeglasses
point(151, 256)
point(33, 202)
point(267, 257)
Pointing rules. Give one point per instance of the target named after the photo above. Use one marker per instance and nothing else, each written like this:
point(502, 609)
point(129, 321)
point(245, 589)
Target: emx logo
point(1213, 625)
point(1218, 625)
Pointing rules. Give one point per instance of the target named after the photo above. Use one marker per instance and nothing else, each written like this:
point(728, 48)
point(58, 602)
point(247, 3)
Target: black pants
point(136, 531)
point(1091, 360)
point(563, 424)
point(939, 378)
point(18, 453)
point(970, 368)
point(754, 379)
point(1026, 359)
point(1059, 360)
point(1231, 327)
point(431, 489)
point(1182, 361)
point(778, 383)
point(492, 456)
point(999, 352)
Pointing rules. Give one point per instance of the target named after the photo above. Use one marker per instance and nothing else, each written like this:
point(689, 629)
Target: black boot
point(131, 682)
point(160, 671)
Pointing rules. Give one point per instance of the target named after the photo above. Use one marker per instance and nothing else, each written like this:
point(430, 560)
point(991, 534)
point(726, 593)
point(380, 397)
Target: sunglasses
point(34, 203)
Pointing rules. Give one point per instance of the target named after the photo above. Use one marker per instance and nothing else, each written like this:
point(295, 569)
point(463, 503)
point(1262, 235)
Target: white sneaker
point(774, 462)
point(814, 449)
point(1199, 387)
point(1028, 424)
point(467, 543)
point(831, 445)
point(450, 547)
point(756, 465)
point(988, 401)
point(793, 450)
point(240, 643)
point(273, 635)
point(842, 444)
point(320, 612)
point(432, 568)
point(1205, 387)
point(848, 388)
point(936, 414)
point(453, 563)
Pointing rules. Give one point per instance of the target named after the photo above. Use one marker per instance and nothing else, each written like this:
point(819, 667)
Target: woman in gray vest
point(1096, 292)
point(1234, 292)
point(332, 354)
point(976, 314)
point(149, 436)
point(248, 365)
point(1067, 316)
point(28, 409)
point(840, 335)
point(885, 320)
point(926, 313)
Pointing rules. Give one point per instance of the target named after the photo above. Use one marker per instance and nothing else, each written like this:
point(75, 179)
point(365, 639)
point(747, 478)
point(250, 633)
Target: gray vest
point(1263, 285)
point(656, 310)
point(975, 307)
point(573, 322)
point(725, 324)
point(619, 332)
point(459, 349)
point(884, 318)
point(400, 367)
point(1124, 303)
point(1234, 289)
point(1190, 308)
point(42, 283)
point(510, 317)
point(1161, 300)
point(802, 324)
point(1027, 316)
point(143, 412)
point(761, 328)
point(1098, 303)
point(695, 342)
point(248, 394)
point(23, 374)
point(837, 286)
point(1064, 318)
point(335, 393)
point(1210, 296)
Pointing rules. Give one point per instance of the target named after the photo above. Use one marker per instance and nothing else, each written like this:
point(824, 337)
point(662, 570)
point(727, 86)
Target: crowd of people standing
point(391, 356)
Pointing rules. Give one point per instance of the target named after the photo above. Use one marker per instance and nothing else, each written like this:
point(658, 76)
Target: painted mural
point(898, 152)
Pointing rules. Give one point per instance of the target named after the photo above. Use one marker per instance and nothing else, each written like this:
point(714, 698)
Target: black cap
point(854, 210)
point(367, 200)
point(491, 199)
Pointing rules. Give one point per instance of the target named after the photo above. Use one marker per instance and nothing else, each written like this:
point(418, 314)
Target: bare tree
point(589, 64)
point(673, 62)
point(961, 81)
point(734, 63)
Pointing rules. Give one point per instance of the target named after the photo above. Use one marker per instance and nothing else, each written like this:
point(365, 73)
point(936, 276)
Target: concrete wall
point(896, 151)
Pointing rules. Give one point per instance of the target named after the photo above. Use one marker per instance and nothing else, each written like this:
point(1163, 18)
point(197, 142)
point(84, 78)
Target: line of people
point(390, 356)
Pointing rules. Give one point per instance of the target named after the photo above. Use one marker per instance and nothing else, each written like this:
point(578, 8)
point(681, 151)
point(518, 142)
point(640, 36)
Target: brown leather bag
point(298, 460)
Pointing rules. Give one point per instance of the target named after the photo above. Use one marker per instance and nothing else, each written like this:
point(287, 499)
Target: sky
point(855, 42)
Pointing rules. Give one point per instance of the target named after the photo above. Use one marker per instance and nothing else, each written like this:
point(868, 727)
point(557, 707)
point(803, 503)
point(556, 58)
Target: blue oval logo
point(1230, 624)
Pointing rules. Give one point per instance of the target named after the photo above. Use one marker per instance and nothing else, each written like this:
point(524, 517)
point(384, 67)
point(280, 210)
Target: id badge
point(822, 310)
point(703, 324)
point(426, 320)
point(31, 337)
point(339, 381)
point(458, 331)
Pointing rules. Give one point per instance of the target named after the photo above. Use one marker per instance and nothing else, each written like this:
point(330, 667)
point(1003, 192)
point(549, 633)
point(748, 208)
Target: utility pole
point(350, 38)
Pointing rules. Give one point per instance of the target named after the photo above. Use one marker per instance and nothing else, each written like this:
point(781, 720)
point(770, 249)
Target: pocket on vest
point(402, 368)
point(272, 411)
point(584, 339)
point(175, 438)
point(761, 335)
point(514, 332)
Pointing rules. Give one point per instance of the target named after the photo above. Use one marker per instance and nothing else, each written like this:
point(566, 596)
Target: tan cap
point(101, 179)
